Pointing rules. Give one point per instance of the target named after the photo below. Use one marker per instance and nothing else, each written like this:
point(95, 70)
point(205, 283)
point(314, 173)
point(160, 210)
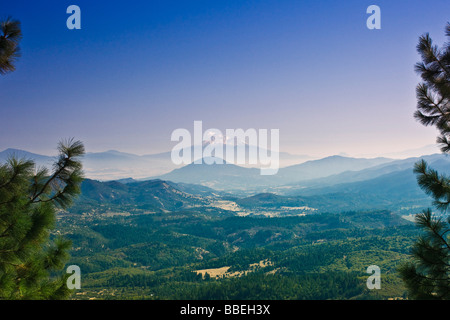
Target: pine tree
point(29, 198)
point(10, 35)
point(427, 276)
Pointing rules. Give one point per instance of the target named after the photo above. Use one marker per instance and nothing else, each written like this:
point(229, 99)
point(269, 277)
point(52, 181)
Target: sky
point(138, 70)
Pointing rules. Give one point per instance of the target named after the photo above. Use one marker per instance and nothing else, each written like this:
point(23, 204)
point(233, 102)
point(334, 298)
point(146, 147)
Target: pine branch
point(67, 172)
point(433, 184)
point(426, 221)
point(19, 168)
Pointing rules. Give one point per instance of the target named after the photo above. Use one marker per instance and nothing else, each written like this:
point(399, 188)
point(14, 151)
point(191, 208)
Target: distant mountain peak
point(40, 160)
point(12, 150)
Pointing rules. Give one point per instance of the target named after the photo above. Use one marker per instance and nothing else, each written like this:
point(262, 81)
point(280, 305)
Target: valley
point(194, 255)
point(221, 232)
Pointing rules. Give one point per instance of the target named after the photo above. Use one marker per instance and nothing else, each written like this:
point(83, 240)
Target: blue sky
point(138, 70)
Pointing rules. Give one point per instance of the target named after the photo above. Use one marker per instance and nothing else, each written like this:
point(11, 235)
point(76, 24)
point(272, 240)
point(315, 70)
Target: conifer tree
point(427, 276)
point(29, 199)
point(10, 35)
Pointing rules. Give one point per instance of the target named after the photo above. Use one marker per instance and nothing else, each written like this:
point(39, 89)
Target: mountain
point(392, 186)
point(108, 165)
point(40, 160)
point(250, 152)
point(330, 175)
point(116, 165)
point(224, 176)
point(152, 195)
point(232, 177)
point(386, 186)
point(314, 169)
point(397, 191)
point(439, 161)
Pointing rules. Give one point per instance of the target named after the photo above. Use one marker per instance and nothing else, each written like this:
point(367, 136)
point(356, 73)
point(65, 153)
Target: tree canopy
point(427, 276)
point(10, 36)
point(29, 200)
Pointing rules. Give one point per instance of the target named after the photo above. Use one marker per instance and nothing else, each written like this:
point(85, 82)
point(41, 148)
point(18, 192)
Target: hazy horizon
point(400, 154)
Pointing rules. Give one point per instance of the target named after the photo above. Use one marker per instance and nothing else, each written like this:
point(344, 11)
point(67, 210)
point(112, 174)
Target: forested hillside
point(190, 254)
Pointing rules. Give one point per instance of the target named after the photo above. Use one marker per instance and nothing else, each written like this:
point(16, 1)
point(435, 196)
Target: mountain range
point(114, 165)
point(107, 165)
point(232, 177)
point(387, 186)
point(333, 183)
